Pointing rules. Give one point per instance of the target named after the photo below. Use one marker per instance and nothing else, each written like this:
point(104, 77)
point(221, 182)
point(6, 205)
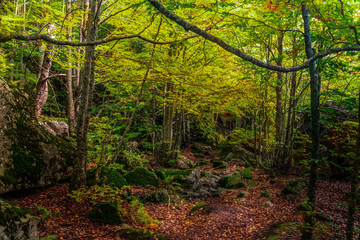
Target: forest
point(179, 119)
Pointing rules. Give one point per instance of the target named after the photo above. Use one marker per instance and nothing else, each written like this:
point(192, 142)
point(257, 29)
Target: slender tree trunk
point(69, 79)
point(42, 88)
point(354, 185)
point(311, 194)
point(87, 88)
point(279, 119)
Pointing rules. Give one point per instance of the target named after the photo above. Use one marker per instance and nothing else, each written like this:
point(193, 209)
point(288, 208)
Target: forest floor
point(228, 217)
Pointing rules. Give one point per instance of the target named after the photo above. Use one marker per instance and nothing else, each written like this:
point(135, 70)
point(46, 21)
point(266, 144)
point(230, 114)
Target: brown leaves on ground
point(230, 217)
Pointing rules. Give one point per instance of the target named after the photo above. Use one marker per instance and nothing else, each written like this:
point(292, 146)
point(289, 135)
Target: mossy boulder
point(108, 176)
point(200, 208)
point(157, 197)
point(218, 164)
point(15, 223)
point(293, 188)
point(29, 155)
point(131, 233)
point(141, 176)
point(231, 181)
point(106, 212)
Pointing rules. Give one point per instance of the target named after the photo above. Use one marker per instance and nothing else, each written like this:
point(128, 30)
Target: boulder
point(131, 233)
point(184, 162)
point(29, 155)
point(141, 176)
point(106, 212)
point(107, 176)
point(293, 188)
point(57, 128)
point(161, 196)
point(231, 181)
point(16, 224)
point(241, 155)
point(267, 204)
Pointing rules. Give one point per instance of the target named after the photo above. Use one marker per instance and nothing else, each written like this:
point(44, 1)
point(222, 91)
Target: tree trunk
point(354, 185)
point(311, 194)
point(42, 89)
point(87, 79)
point(69, 79)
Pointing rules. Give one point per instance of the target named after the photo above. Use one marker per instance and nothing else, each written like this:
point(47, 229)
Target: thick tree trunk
point(87, 80)
point(311, 194)
point(354, 185)
point(42, 89)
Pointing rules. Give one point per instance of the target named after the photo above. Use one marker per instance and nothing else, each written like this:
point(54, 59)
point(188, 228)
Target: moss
point(231, 181)
point(294, 187)
point(111, 176)
point(9, 212)
point(141, 176)
point(157, 197)
point(140, 234)
point(8, 177)
point(106, 212)
point(200, 208)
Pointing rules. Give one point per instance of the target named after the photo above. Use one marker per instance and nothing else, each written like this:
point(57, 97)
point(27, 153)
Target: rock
point(106, 212)
point(240, 154)
point(232, 181)
point(293, 188)
point(57, 128)
point(107, 176)
point(200, 148)
point(242, 194)
point(29, 155)
point(217, 163)
point(131, 233)
point(16, 224)
point(141, 176)
point(183, 162)
point(267, 204)
point(160, 196)
point(200, 208)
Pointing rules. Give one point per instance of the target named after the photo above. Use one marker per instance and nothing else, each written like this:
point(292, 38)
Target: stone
point(141, 176)
point(231, 181)
point(131, 233)
point(267, 204)
point(16, 223)
point(293, 188)
point(29, 155)
point(160, 196)
point(184, 162)
point(106, 212)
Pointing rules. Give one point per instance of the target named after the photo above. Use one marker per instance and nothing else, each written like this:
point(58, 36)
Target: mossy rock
point(293, 188)
point(265, 193)
point(131, 233)
point(106, 212)
point(218, 164)
point(202, 162)
point(160, 196)
point(9, 212)
point(232, 181)
point(200, 208)
point(141, 176)
point(110, 176)
point(242, 194)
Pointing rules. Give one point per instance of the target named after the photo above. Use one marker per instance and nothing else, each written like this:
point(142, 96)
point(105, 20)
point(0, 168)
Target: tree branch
point(35, 37)
point(190, 27)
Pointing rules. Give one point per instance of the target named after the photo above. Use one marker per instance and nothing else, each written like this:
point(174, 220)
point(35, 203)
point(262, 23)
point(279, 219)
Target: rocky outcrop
point(16, 224)
point(29, 155)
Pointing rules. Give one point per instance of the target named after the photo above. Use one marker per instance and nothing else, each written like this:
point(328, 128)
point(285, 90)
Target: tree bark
point(87, 80)
point(69, 80)
point(42, 88)
point(354, 185)
point(311, 194)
